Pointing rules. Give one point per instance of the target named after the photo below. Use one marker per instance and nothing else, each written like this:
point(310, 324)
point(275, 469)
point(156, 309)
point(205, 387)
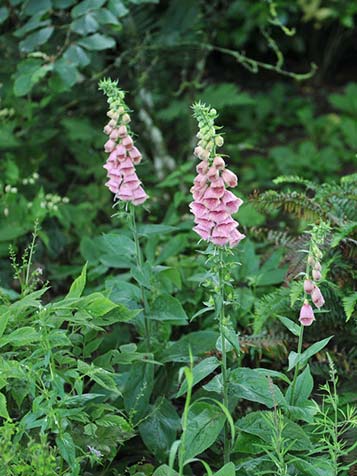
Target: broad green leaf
point(35, 39)
point(303, 358)
point(289, 324)
point(151, 229)
point(251, 385)
point(138, 384)
point(98, 305)
point(165, 470)
point(76, 55)
point(3, 407)
point(205, 422)
point(118, 8)
point(87, 5)
point(4, 14)
point(199, 343)
point(106, 17)
point(33, 7)
point(4, 318)
point(200, 371)
point(227, 470)
point(169, 309)
point(261, 424)
point(85, 24)
point(20, 337)
point(29, 73)
point(314, 467)
point(160, 428)
point(78, 284)
point(67, 72)
point(67, 448)
point(303, 388)
point(97, 42)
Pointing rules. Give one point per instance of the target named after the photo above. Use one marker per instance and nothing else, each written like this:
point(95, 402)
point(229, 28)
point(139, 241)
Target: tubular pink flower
point(317, 297)
point(229, 178)
point(123, 155)
point(213, 204)
point(306, 314)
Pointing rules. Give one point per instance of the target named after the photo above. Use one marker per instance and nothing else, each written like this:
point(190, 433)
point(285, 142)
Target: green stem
point(184, 428)
point(226, 445)
point(139, 263)
point(297, 367)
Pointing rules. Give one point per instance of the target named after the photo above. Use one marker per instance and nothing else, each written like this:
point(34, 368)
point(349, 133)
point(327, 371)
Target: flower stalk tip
point(213, 205)
point(123, 155)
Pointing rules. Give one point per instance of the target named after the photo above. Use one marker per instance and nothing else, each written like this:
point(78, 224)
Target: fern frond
point(295, 179)
point(270, 306)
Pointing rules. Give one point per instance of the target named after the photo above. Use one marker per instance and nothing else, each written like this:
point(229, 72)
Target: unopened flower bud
point(126, 119)
point(316, 275)
point(308, 286)
point(219, 141)
point(311, 260)
point(317, 266)
point(317, 297)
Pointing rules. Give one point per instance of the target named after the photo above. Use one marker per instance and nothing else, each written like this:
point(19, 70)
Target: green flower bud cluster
point(209, 138)
point(118, 110)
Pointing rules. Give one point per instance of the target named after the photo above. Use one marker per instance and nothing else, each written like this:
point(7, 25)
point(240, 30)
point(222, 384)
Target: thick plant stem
point(297, 366)
point(226, 444)
point(139, 264)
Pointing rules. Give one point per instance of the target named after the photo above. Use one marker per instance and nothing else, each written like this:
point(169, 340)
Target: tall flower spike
point(213, 205)
point(123, 155)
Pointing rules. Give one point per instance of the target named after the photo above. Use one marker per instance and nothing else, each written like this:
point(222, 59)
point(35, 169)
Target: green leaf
point(4, 318)
point(260, 424)
point(118, 8)
point(97, 42)
point(76, 55)
point(67, 72)
point(159, 429)
point(169, 309)
point(303, 358)
point(67, 448)
point(314, 467)
point(4, 14)
point(227, 470)
point(86, 6)
point(99, 305)
point(198, 343)
point(78, 284)
point(205, 422)
point(35, 39)
point(200, 371)
point(151, 229)
point(303, 388)
point(165, 470)
point(33, 7)
point(20, 337)
point(3, 407)
point(289, 324)
point(249, 384)
point(85, 24)
point(106, 17)
point(28, 74)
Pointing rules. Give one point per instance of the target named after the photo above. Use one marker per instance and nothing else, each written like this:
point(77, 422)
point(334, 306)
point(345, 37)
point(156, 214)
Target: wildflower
point(308, 286)
point(123, 155)
point(316, 275)
point(213, 205)
point(317, 297)
point(306, 314)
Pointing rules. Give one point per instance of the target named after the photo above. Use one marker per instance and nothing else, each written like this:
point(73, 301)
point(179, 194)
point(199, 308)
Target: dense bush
point(128, 348)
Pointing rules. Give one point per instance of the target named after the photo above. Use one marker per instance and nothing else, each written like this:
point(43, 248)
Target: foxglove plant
point(212, 207)
point(121, 171)
point(310, 288)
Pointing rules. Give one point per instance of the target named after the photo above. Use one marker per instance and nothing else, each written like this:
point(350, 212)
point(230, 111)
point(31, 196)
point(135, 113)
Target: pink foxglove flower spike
point(123, 155)
point(213, 205)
